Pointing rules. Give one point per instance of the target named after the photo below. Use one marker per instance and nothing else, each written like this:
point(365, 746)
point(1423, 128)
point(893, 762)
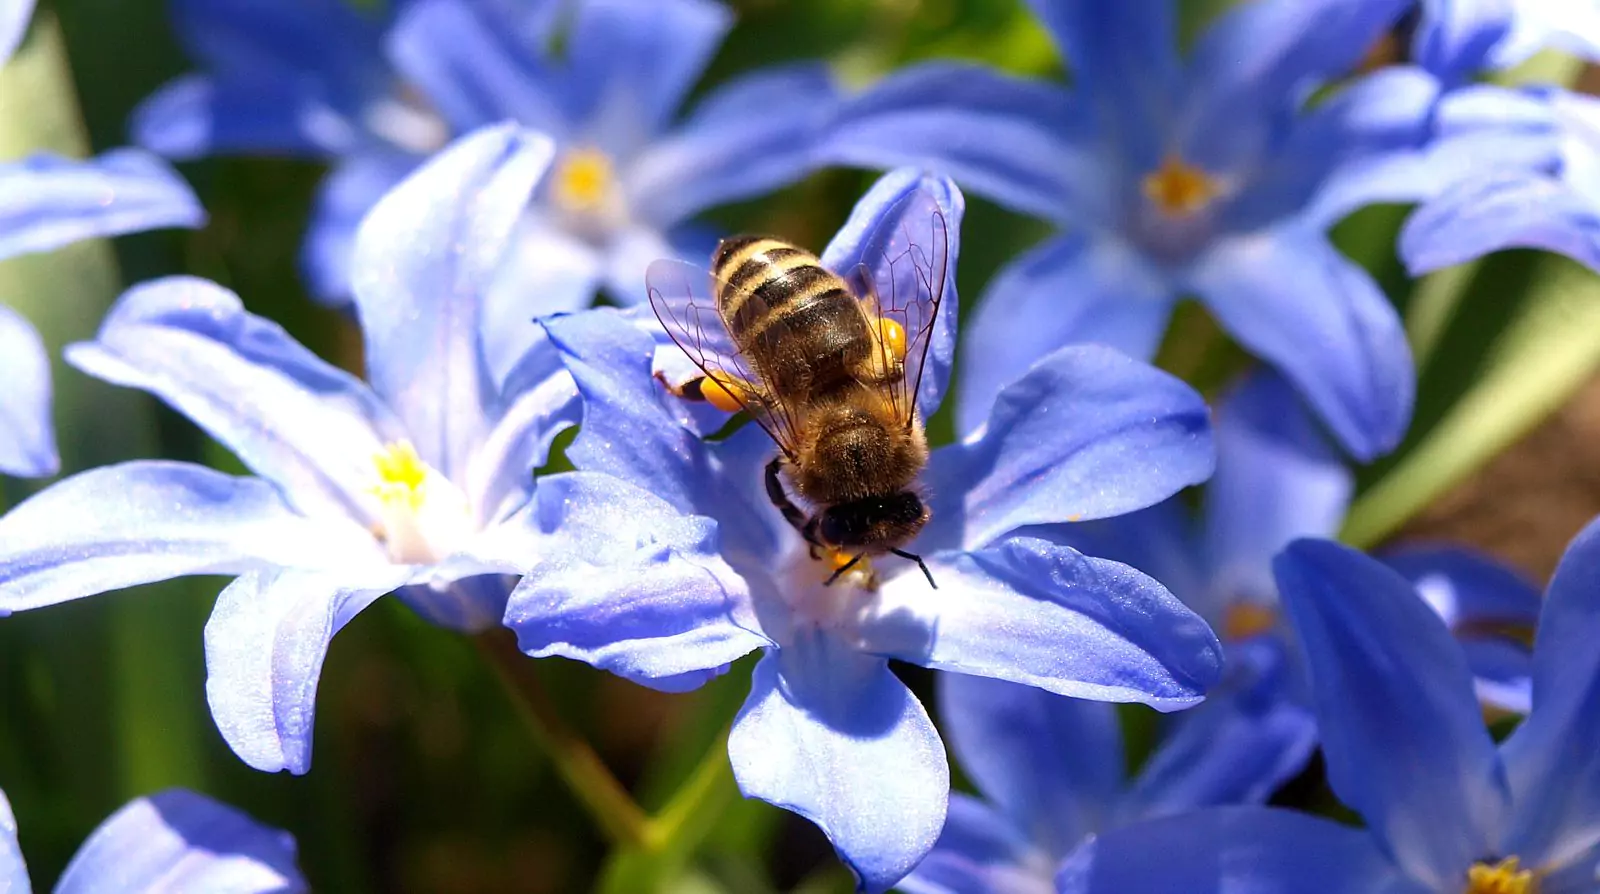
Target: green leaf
point(1517, 341)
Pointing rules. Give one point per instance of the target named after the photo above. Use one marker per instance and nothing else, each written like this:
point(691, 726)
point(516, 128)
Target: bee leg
point(842, 569)
point(727, 393)
point(791, 512)
point(920, 564)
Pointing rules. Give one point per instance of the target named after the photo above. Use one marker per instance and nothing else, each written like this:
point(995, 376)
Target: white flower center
point(423, 516)
point(587, 194)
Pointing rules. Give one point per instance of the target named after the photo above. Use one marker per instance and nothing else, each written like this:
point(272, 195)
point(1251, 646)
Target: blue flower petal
point(1158, 541)
point(49, 202)
point(268, 111)
point(1471, 591)
point(1403, 735)
point(1334, 335)
point(749, 137)
point(1041, 614)
point(1278, 479)
point(27, 436)
point(1086, 434)
point(296, 420)
point(980, 852)
point(265, 643)
point(894, 232)
point(1075, 289)
point(631, 586)
point(13, 871)
point(1366, 144)
point(473, 73)
point(1124, 60)
point(1455, 38)
point(1249, 738)
point(1053, 765)
point(832, 735)
point(539, 402)
point(1025, 144)
point(140, 522)
point(180, 842)
point(424, 258)
point(1502, 673)
point(14, 17)
point(547, 271)
point(1498, 211)
point(343, 199)
point(1554, 769)
point(1254, 849)
point(632, 61)
point(326, 42)
point(1255, 63)
point(627, 432)
point(628, 255)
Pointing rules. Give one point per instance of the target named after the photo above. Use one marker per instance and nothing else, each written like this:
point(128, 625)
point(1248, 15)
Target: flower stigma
point(1179, 189)
point(422, 515)
point(1505, 877)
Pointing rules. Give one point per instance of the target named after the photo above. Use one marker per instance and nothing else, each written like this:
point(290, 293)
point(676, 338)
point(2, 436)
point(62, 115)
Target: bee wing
point(902, 277)
point(683, 297)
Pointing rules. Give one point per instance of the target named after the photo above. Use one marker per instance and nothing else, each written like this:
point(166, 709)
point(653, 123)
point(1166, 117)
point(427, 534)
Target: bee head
point(874, 524)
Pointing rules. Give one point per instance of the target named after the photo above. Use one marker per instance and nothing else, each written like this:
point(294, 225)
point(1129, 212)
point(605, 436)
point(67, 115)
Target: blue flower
point(1447, 810)
point(1207, 176)
point(1052, 770)
point(173, 842)
point(47, 202)
point(316, 77)
point(675, 563)
point(1537, 183)
point(1278, 479)
point(417, 482)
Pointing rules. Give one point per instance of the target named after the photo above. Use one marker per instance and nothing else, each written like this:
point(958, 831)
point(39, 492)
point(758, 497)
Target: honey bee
point(830, 364)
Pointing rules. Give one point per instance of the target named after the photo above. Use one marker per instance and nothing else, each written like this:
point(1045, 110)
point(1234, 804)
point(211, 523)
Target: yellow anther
point(402, 476)
point(1246, 619)
point(724, 392)
point(893, 337)
point(1178, 188)
point(1505, 877)
point(584, 180)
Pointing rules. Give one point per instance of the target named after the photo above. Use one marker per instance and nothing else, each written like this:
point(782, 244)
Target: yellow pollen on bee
point(584, 179)
point(402, 476)
point(1246, 619)
point(724, 392)
point(1505, 877)
point(1178, 188)
point(893, 337)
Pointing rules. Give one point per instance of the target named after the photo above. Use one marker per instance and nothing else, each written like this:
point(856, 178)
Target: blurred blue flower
point(172, 842)
point(418, 481)
point(1279, 479)
point(378, 93)
point(1447, 810)
point(1209, 176)
point(47, 202)
point(1545, 192)
point(1052, 769)
point(676, 564)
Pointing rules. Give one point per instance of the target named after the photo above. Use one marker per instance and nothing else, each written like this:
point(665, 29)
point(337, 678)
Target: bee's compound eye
point(726, 394)
point(893, 337)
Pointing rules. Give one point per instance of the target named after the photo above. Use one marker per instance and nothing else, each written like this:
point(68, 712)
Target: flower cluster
point(747, 470)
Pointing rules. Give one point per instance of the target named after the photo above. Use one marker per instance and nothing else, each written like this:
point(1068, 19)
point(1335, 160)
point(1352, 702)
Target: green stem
point(586, 776)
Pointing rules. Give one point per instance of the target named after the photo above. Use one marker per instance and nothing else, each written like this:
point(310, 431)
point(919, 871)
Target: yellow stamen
point(1505, 877)
point(1246, 619)
point(1178, 188)
point(584, 180)
point(402, 476)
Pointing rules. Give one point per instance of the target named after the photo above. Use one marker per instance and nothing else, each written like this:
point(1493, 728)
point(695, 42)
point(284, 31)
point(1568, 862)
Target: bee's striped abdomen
point(800, 326)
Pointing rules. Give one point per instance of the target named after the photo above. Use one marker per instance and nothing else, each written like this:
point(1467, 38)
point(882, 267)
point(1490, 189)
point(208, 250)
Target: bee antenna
point(842, 569)
point(913, 557)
